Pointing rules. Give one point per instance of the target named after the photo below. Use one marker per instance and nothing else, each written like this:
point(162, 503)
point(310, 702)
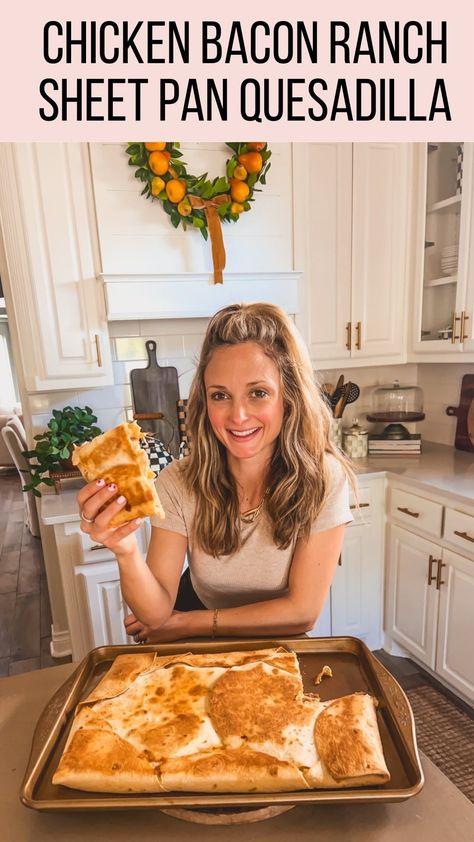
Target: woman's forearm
point(148, 600)
point(274, 616)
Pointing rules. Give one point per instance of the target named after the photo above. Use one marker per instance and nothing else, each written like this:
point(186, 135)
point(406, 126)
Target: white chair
point(15, 440)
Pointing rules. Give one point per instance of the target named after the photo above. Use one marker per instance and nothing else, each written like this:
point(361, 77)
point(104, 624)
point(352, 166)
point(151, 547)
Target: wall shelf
point(441, 282)
point(446, 204)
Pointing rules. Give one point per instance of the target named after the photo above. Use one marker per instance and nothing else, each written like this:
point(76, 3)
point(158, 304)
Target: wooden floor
point(25, 615)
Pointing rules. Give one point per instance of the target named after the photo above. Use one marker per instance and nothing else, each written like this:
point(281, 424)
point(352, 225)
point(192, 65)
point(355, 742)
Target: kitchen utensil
point(328, 389)
point(354, 669)
point(465, 415)
point(340, 382)
point(155, 392)
point(341, 403)
point(353, 394)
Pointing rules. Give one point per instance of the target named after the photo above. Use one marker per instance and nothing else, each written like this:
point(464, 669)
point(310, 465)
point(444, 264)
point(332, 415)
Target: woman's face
point(244, 400)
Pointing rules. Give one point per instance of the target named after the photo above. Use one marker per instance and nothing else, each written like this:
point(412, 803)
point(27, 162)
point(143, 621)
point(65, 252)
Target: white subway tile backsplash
point(131, 328)
point(108, 418)
point(166, 346)
point(47, 401)
point(130, 348)
point(192, 345)
point(108, 397)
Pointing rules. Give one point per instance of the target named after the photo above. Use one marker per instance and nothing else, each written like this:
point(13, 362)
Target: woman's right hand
point(96, 524)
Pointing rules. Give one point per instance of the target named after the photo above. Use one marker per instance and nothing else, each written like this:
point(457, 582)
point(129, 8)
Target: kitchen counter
point(437, 468)
point(440, 812)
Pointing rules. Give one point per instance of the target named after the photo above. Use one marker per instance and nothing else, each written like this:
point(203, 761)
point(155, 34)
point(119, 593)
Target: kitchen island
point(439, 812)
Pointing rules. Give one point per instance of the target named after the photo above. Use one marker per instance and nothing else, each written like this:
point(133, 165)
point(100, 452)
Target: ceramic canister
point(355, 441)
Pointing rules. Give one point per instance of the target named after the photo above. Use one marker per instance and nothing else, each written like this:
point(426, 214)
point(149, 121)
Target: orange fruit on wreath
point(240, 173)
point(157, 185)
point(252, 161)
point(236, 207)
point(184, 208)
point(175, 190)
point(158, 162)
point(256, 147)
point(239, 190)
point(155, 147)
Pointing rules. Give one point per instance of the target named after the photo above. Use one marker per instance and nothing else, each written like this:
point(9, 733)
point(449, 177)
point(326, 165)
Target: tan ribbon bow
point(215, 229)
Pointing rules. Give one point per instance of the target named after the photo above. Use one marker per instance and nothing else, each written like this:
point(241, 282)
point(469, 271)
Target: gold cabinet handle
point(431, 575)
point(99, 352)
point(360, 506)
point(454, 338)
point(358, 342)
point(462, 334)
point(349, 336)
point(464, 535)
point(408, 512)
point(439, 580)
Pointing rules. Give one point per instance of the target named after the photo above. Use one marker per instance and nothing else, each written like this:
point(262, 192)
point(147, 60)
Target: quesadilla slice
point(348, 742)
point(231, 770)
point(116, 457)
point(101, 761)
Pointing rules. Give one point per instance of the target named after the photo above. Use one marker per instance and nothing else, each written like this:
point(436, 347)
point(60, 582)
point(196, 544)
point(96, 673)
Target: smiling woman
point(259, 506)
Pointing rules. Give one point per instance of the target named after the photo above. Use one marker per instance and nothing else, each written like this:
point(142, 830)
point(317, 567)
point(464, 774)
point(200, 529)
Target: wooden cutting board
point(155, 389)
point(465, 415)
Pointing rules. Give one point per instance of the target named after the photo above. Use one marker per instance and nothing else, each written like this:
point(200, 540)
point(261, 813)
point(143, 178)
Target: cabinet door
point(444, 293)
point(379, 249)
point(454, 655)
point(103, 604)
point(356, 593)
point(56, 300)
point(412, 602)
point(323, 212)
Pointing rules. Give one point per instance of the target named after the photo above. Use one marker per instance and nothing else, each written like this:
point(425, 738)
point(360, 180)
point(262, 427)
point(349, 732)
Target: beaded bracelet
point(214, 623)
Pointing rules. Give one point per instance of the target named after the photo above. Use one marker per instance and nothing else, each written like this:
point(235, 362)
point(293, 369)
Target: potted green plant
point(69, 426)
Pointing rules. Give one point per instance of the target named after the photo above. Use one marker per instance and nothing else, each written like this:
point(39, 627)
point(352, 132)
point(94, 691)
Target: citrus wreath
point(198, 201)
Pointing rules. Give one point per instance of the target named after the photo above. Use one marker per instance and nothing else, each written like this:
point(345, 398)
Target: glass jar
point(355, 441)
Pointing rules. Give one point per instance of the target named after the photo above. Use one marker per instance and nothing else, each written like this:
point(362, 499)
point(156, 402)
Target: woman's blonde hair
point(296, 478)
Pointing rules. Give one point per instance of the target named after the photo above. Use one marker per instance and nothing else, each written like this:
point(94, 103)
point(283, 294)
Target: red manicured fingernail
point(121, 499)
point(112, 487)
point(100, 482)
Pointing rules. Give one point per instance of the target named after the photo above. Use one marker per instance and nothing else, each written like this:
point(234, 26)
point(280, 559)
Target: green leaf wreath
point(159, 166)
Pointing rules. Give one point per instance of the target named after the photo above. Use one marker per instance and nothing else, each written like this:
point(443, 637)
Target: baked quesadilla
point(223, 722)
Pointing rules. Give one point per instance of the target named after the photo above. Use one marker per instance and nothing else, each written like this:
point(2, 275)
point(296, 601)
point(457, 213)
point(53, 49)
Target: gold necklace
point(252, 514)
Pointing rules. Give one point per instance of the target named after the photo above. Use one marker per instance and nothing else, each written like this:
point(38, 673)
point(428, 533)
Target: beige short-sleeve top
point(258, 571)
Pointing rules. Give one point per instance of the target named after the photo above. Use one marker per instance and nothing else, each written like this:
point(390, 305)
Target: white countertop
point(438, 468)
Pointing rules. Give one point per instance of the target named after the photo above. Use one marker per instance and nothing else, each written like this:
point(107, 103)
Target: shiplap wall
point(136, 236)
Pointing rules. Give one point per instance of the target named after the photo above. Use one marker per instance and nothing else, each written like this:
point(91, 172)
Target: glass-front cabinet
point(444, 323)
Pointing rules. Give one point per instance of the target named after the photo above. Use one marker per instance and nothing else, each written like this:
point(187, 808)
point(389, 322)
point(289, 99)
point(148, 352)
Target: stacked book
point(380, 446)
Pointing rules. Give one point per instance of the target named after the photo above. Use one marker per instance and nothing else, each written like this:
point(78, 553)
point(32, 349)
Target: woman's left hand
point(172, 629)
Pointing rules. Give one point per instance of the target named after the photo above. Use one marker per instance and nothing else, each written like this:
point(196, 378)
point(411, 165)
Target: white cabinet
point(412, 597)
point(430, 592)
point(352, 206)
point(354, 606)
point(444, 275)
point(454, 656)
point(103, 606)
point(53, 295)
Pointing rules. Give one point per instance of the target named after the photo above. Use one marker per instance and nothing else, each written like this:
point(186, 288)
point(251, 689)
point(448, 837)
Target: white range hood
point(190, 296)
